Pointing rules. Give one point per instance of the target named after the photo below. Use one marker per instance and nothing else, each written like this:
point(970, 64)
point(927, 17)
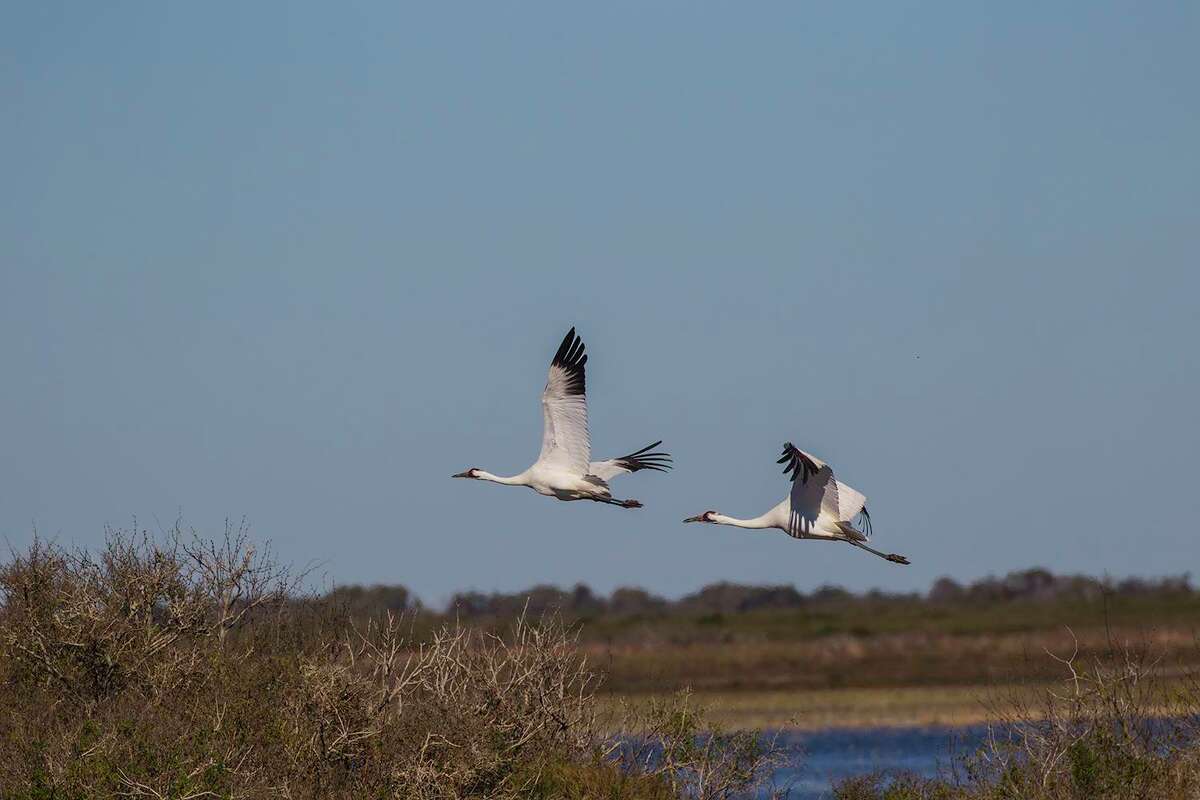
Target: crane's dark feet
point(630, 504)
point(897, 559)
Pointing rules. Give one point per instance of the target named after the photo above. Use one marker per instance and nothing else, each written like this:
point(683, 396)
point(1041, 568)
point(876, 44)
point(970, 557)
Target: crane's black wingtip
point(571, 359)
point(799, 464)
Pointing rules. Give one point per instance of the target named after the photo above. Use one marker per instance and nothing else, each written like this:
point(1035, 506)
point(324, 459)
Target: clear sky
point(301, 262)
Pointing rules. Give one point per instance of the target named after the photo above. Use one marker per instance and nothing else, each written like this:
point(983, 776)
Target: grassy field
point(897, 664)
point(769, 655)
point(1097, 695)
point(822, 709)
point(194, 668)
point(825, 709)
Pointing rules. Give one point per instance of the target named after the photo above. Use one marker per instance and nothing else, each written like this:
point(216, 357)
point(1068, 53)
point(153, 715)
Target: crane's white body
point(552, 482)
point(564, 468)
point(817, 507)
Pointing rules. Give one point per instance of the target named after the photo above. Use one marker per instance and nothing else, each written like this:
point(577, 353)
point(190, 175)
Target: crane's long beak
point(466, 474)
point(699, 518)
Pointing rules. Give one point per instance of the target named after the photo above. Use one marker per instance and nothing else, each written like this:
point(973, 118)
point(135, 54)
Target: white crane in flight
point(564, 468)
point(818, 507)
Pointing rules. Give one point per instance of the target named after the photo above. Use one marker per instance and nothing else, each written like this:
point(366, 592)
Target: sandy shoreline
point(826, 709)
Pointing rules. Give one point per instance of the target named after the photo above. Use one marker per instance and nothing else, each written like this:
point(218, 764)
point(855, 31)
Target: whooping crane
point(818, 507)
point(564, 469)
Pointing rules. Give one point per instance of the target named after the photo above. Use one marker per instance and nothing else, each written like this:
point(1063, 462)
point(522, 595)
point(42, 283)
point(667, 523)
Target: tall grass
point(1118, 726)
point(182, 668)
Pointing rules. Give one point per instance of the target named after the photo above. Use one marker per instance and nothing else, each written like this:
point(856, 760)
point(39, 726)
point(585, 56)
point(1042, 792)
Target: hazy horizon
point(444, 604)
point(300, 264)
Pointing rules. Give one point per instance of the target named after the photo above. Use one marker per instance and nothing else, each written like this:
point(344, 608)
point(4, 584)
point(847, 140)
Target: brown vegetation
point(730, 637)
point(187, 669)
point(1117, 727)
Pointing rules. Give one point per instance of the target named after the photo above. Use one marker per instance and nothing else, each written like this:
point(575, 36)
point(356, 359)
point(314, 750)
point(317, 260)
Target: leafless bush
point(675, 740)
point(236, 577)
point(182, 668)
point(1117, 726)
point(460, 715)
point(906, 786)
point(96, 626)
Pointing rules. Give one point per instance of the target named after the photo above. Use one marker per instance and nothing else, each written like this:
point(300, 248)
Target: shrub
point(1117, 728)
point(190, 669)
point(673, 739)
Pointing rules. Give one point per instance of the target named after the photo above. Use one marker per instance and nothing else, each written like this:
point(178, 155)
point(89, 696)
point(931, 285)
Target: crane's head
point(473, 472)
point(707, 516)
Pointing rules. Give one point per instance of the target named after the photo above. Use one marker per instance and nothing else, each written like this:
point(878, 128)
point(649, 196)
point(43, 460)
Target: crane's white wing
point(641, 459)
point(565, 442)
point(814, 490)
point(851, 502)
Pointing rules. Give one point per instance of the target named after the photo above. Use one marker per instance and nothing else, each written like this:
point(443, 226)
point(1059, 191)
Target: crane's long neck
point(755, 523)
point(513, 480)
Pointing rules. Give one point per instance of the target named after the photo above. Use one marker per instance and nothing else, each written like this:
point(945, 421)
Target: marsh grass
point(1118, 725)
point(677, 738)
point(729, 638)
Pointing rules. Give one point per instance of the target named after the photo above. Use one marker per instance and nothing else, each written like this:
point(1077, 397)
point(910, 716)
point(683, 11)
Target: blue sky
point(301, 262)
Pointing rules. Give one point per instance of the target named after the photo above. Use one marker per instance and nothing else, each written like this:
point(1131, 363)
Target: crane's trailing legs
point(612, 501)
point(895, 558)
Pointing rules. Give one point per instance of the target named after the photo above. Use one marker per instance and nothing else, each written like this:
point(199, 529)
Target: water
point(825, 757)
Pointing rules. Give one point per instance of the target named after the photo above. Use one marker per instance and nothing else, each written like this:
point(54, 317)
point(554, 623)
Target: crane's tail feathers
point(864, 522)
point(596, 480)
point(852, 534)
point(644, 459)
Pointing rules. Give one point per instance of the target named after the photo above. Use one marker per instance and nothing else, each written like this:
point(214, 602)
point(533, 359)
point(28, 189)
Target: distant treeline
point(1031, 585)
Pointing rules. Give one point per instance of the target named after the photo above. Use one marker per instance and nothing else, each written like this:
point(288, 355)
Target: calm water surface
point(825, 757)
